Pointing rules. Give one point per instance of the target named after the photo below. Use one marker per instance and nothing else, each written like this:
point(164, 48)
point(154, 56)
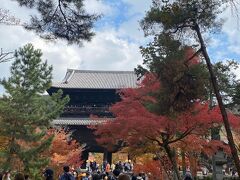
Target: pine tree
point(184, 80)
point(60, 19)
point(187, 20)
point(26, 113)
point(236, 95)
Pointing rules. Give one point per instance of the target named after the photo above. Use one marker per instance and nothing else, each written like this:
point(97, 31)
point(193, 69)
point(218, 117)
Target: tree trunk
point(193, 164)
point(183, 162)
point(219, 99)
point(164, 164)
point(172, 158)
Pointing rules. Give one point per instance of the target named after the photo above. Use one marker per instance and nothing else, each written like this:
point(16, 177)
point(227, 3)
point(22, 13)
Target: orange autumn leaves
point(63, 150)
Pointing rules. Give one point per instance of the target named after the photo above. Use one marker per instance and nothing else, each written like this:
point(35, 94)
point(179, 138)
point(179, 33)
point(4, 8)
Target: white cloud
point(12, 37)
point(98, 7)
point(214, 42)
point(235, 48)
point(231, 28)
point(131, 30)
point(138, 7)
point(113, 47)
point(107, 50)
point(22, 13)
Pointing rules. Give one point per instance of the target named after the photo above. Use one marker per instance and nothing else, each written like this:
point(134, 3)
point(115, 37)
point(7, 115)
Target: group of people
point(119, 170)
point(94, 171)
point(66, 175)
point(92, 166)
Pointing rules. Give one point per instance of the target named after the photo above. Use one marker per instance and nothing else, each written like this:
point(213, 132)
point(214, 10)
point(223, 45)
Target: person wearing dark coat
point(48, 174)
point(96, 176)
point(188, 176)
point(66, 175)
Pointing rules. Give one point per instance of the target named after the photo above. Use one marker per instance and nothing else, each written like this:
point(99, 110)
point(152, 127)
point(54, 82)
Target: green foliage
point(186, 21)
point(226, 78)
point(183, 15)
point(183, 80)
point(61, 19)
point(26, 113)
point(236, 95)
point(180, 19)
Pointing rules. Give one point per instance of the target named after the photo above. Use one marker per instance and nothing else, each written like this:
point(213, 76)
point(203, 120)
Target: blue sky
point(117, 40)
point(221, 48)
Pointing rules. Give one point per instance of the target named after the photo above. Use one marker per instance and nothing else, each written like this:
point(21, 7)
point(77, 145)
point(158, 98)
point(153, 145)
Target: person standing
point(188, 176)
point(48, 174)
point(66, 174)
point(108, 169)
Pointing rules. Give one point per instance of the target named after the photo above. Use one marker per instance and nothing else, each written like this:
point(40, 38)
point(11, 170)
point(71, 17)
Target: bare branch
point(155, 140)
point(5, 56)
point(60, 7)
point(194, 55)
point(6, 18)
point(183, 135)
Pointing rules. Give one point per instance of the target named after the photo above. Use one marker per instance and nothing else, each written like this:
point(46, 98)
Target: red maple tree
point(139, 126)
point(153, 169)
point(63, 151)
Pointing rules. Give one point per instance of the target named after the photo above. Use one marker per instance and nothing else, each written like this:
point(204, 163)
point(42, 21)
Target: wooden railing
point(94, 110)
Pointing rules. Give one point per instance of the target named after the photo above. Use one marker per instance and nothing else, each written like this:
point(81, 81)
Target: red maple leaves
point(137, 122)
point(63, 151)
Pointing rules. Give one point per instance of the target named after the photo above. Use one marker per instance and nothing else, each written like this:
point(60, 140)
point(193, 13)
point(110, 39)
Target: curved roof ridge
point(100, 71)
point(96, 79)
point(68, 75)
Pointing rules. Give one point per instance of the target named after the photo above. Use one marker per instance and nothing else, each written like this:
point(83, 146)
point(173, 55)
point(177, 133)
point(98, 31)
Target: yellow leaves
point(3, 142)
point(58, 158)
point(64, 151)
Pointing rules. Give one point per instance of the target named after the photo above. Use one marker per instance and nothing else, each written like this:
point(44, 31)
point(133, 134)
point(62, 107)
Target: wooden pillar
point(84, 158)
point(107, 156)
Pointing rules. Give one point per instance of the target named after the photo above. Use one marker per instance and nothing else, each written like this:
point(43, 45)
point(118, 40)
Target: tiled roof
point(79, 121)
point(88, 79)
